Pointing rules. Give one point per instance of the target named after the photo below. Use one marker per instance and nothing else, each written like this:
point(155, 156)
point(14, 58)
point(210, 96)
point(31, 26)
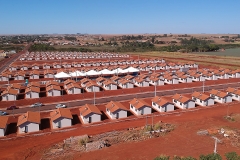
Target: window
point(219, 98)
point(175, 101)
point(131, 106)
point(200, 101)
point(180, 103)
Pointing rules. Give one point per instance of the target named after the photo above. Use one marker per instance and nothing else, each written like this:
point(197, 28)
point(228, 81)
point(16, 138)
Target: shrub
point(210, 157)
point(232, 156)
point(162, 157)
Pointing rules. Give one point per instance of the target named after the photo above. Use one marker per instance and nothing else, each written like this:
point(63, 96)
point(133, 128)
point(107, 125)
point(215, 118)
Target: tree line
point(228, 156)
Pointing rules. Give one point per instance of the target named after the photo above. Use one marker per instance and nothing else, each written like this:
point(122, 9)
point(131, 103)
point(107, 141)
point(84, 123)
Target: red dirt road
point(182, 141)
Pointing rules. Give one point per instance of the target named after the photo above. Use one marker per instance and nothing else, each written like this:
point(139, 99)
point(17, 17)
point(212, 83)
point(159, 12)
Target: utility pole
point(203, 86)
point(215, 146)
point(94, 97)
point(155, 89)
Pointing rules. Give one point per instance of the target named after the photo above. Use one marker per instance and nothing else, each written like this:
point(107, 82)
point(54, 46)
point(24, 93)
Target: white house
point(162, 105)
point(141, 82)
point(109, 85)
point(156, 81)
point(4, 77)
point(29, 122)
point(53, 90)
point(3, 125)
point(185, 79)
point(235, 93)
point(92, 87)
point(100, 80)
point(48, 74)
point(32, 92)
point(73, 88)
point(220, 97)
point(9, 94)
point(34, 74)
point(115, 110)
point(170, 79)
point(202, 99)
point(61, 118)
point(183, 102)
point(140, 107)
point(90, 114)
point(123, 83)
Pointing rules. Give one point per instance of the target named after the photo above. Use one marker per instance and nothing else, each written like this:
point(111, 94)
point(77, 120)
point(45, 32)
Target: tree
point(210, 157)
point(232, 156)
point(162, 157)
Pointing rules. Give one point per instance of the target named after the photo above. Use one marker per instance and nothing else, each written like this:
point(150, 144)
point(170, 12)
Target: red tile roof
point(33, 117)
point(60, 112)
point(114, 106)
point(88, 109)
point(138, 103)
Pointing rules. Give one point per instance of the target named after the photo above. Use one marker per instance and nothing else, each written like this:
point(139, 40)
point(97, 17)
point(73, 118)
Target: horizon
point(119, 17)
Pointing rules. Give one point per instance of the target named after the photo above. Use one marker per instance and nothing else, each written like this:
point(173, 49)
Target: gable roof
point(60, 112)
point(114, 106)
point(88, 109)
point(53, 87)
point(160, 101)
point(181, 98)
point(32, 89)
point(10, 91)
point(16, 86)
point(200, 96)
point(3, 121)
point(138, 103)
point(218, 93)
point(33, 117)
point(231, 90)
point(49, 83)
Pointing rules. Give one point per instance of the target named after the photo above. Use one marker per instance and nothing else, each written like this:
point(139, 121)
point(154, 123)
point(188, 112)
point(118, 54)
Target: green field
point(234, 52)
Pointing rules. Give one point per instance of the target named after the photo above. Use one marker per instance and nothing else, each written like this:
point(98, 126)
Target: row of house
point(60, 118)
point(69, 55)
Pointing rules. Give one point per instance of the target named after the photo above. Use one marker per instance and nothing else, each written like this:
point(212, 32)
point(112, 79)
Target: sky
point(119, 16)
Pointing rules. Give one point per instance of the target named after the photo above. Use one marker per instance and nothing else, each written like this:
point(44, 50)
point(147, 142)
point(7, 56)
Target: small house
point(183, 102)
point(73, 88)
point(162, 105)
point(9, 95)
point(61, 118)
point(202, 99)
point(220, 97)
point(141, 82)
point(140, 107)
point(109, 85)
point(53, 90)
point(34, 74)
point(48, 74)
point(235, 93)
point(32, 92)
point(29, 122)
point(123, 83)
point(90, 114)
point(3, 125)
point(115, 110)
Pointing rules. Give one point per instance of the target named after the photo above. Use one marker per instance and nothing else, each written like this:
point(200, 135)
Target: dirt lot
point(183, 141)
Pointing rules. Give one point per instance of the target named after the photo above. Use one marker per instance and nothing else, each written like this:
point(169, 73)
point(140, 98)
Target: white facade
point(19, 77)
point(28, 127)
point(110, 87)
point(117, 114)
point(2, 132)
point(49, 75)
point(226, 99)
point(141, 111)
point(9, 97)
point(187, 105)
point(3, 78)
point(34, 76)
point(93, 89)
point(91, 118)
point(61, 123)
point(53, 93)
point(142, 84)
point(74, 90)
point(165, 108)
point(32, 95)
point(207, 102)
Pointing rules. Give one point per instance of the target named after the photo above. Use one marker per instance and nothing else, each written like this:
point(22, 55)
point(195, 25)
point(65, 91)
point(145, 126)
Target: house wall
point(207, 102)
point(34, 76)
point(226, 99)
point(168, 107)
point(9, 97)
point(2, 132)
point(19, 78)
point(187, 105)
point(146, 110)
point(95, 118)
point(236, 97)
point(121, 114)
point(4, 78)
point(65, 122)
point(32, 95)
point(175, 81)
point(32, 127)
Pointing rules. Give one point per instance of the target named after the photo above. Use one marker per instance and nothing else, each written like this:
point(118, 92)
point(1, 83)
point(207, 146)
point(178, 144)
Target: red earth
point(183, 141)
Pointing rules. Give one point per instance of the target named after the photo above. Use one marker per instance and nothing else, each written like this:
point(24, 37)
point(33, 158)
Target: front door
point(117, 115)
point(142, 111)
point(59, 124)
point(90, 119)
point(26, 129)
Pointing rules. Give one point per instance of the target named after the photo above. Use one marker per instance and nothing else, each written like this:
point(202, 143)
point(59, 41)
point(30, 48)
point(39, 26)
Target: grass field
point(235, 52)
point(226, 61)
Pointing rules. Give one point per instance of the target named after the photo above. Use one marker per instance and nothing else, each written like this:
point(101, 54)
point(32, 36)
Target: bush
point(162, 157)
point(183, 158)
point(232, 156)
point(210, 157)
